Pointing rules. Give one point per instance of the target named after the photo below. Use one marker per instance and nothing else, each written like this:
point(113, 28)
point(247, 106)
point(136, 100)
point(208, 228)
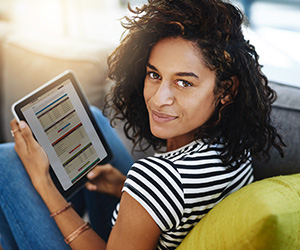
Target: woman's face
point(179, 91)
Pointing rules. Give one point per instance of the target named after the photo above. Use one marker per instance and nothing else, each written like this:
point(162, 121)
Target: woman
point(188, 85)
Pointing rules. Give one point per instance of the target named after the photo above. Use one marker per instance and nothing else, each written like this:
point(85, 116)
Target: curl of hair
point(215, 27)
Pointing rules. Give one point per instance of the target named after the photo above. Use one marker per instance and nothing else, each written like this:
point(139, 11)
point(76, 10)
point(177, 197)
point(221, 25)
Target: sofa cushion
point(286, 117)
point(262, 215)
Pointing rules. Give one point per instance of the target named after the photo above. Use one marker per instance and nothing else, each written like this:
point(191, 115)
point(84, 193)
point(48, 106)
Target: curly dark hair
point(242, 124)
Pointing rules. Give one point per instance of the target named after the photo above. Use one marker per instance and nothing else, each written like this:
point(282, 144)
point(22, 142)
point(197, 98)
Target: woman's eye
point(183, 83)
point(153, 75)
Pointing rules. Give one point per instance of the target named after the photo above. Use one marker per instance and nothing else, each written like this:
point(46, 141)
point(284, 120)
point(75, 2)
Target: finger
point(14, 127)
point(91, 187)
point(20, 144)
point(97, 171)
point(28, 137)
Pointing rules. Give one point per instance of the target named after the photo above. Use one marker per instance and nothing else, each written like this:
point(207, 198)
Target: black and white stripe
point(180, 187)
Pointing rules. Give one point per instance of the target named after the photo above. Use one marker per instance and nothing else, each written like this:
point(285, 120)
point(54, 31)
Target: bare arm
point(134, 229)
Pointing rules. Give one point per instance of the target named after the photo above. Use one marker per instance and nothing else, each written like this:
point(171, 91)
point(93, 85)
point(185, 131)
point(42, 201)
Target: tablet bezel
point(67, 75)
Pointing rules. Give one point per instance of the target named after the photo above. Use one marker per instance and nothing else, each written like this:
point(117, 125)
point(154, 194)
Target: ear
point(230, 90)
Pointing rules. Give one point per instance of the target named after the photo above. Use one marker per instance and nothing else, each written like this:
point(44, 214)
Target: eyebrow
point(178, 73)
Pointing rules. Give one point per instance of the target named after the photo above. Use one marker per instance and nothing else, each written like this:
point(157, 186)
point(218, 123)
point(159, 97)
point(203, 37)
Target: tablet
point(59, 116)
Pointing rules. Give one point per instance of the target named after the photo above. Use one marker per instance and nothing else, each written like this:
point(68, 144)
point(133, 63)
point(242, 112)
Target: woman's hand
point(31, 153)
point(36, 164)
point(106, 179)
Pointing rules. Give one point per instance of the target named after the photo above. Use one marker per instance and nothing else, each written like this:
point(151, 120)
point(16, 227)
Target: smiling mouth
point(161, 118)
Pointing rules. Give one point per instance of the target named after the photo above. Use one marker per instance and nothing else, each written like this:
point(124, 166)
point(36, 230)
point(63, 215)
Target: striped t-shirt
point(178, 188)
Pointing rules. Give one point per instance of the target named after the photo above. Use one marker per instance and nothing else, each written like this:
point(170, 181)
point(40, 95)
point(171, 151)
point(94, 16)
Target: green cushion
point(263, 215)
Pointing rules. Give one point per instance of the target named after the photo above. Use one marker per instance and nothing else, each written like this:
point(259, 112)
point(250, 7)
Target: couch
point(263, 215)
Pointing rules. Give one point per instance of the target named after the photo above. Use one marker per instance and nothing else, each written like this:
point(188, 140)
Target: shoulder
point(157, 168)
point(198, 154)
point(202, 169)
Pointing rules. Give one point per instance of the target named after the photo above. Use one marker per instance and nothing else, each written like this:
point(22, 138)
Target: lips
point(161, 117)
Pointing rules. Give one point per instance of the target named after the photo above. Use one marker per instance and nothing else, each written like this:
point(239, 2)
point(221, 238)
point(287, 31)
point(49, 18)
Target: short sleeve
point(156, 184)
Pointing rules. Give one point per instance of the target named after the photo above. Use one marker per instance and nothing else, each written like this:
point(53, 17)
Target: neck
point(173, 144)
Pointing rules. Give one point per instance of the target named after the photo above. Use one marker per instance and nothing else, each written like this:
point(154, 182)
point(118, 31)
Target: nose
point(163, 94)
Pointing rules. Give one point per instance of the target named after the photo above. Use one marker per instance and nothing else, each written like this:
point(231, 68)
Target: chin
point(161, 134)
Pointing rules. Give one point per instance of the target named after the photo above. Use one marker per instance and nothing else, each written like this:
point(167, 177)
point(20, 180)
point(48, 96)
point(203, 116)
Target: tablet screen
point(63, 128)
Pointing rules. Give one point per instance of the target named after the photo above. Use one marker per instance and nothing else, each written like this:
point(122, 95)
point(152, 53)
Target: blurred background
point(274, 26)
point(40, 39)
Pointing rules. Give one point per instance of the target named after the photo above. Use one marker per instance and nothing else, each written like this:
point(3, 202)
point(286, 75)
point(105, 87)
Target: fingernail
point(22, 124)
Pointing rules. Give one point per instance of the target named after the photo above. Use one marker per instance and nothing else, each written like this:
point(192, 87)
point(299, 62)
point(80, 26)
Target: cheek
point(200, 111)
point(149, 91)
